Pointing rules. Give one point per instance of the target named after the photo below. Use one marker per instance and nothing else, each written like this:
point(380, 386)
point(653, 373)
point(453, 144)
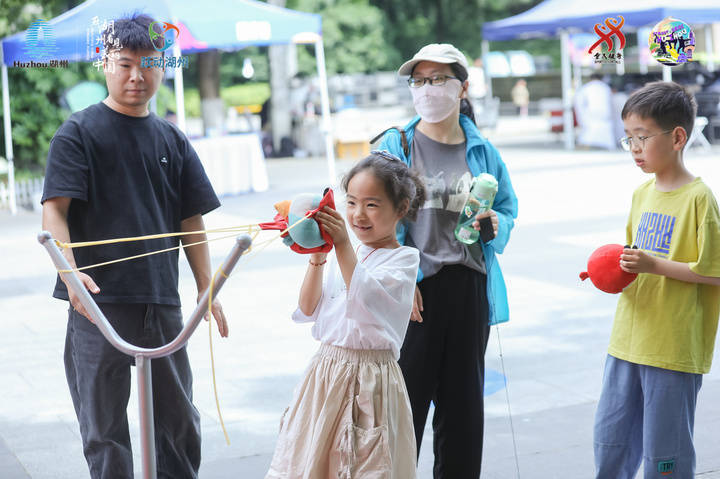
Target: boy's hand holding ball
point(634, 260)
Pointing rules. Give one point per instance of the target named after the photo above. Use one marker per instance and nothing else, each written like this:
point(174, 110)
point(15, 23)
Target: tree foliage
point(372, 35)
point(36, 113)
point(460, 22)
point(35, 93)
point(353, 35)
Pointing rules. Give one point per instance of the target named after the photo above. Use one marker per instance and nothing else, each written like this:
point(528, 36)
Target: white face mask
point(435, 103)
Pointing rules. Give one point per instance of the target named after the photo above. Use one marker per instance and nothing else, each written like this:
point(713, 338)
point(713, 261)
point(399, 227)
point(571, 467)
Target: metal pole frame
point(666, 73)
point(143, 356)
point(179, 85)
point(325, 101)
point(641, 39)
point(568, 123)
point(485, 48)
point(709, 47)
point(8, 136)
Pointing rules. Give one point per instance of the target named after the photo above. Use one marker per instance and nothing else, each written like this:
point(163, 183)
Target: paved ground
point(554, 346)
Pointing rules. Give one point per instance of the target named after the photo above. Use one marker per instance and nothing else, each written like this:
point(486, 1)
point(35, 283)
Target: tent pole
point(642, 35)
point(325, 100)
point(8, 140)
point(179, 91)
point(485, 46)
point(620, 67)
point(569, 133)
point(709, 48)
point(577, 76)
point(667, 73)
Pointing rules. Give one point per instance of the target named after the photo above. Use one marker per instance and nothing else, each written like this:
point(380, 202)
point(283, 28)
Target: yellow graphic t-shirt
point(661, 321)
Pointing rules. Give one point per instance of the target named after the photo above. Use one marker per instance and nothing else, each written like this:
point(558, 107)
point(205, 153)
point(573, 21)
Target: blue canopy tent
point(554, 18)
point(221, 24)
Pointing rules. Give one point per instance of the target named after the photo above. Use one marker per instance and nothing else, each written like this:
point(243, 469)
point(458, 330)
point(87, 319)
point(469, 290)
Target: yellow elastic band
point(210, 319)
point(248, 228)
point(83, 244)
point(144, 254)
point(212, 355)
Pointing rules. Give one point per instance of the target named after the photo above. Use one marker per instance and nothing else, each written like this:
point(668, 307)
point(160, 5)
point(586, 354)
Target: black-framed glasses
point(385, 154)
point(627, 142)
point(436, 80)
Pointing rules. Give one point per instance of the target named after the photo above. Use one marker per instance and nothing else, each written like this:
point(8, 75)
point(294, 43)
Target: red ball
point(604, 270)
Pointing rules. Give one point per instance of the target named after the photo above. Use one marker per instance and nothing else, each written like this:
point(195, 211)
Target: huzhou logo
point(168, 36)
point(40, 40)
point(40, 47)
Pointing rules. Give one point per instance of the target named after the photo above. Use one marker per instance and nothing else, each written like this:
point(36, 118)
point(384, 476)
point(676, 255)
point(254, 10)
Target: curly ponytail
point(420, 195)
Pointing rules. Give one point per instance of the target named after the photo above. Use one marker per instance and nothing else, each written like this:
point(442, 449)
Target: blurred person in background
point(595, 117)
point(521, 97)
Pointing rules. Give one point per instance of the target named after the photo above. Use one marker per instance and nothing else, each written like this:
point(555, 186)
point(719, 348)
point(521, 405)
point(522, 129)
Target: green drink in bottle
point(480, 199)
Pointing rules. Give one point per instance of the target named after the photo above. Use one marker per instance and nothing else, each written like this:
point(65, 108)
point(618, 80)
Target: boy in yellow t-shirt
point(665, 324)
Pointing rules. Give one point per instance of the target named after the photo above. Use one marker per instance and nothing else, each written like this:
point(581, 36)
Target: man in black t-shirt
point(116, 170)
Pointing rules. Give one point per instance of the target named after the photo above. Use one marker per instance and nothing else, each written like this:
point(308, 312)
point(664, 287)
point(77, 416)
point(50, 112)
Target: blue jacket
point(481, 157)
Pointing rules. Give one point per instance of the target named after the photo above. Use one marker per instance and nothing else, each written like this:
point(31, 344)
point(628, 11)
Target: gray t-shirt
point(447, 178)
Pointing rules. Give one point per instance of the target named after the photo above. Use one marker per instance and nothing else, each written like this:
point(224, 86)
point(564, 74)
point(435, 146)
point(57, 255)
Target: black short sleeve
point(127, 176)
point(197, 196)
point(67, 166)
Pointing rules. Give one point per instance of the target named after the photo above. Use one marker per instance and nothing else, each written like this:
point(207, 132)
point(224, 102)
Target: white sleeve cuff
point(299, 317)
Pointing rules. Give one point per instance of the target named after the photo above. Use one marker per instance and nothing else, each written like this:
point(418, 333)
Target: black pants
point(99, 379)
point(443, 360)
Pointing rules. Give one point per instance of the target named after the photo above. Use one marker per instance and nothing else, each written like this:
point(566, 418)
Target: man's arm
point(54, 220)
point(199, 258)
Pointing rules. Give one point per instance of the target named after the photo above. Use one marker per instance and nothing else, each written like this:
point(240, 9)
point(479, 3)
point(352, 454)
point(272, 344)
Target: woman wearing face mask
point(460, 290)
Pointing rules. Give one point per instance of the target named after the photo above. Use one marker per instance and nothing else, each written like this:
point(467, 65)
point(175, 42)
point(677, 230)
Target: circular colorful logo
point(672, 42)
point(165, 39)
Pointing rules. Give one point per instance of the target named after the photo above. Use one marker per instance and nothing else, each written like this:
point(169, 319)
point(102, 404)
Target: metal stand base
point(143, 356)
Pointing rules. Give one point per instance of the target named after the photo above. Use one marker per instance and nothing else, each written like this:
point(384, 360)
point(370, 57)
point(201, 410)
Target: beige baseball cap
point(435, 52)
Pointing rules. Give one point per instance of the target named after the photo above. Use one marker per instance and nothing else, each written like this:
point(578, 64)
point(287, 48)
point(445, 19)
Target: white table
point(234, 163)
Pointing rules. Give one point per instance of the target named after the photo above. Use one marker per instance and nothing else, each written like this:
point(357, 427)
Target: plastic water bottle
point(480, 199)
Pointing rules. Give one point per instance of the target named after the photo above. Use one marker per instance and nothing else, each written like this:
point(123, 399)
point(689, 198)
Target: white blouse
point(375, 312)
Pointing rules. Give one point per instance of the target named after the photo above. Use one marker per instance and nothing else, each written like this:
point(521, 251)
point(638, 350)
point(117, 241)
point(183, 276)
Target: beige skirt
point(349, 418)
